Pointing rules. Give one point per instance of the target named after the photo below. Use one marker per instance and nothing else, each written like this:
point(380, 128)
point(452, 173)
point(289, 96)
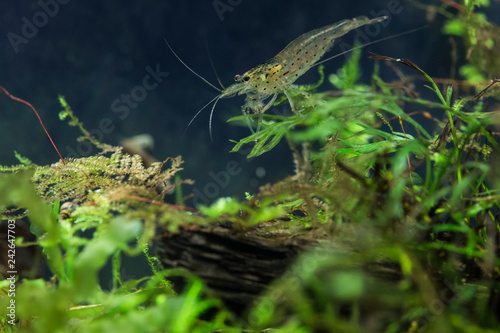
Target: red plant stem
point(40, 119)
point(155, 202)
point(454, 5)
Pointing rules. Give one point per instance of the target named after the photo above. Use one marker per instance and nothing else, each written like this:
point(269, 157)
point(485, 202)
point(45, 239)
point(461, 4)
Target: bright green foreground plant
point(73, 300)
point(354, 192)
point(361, 187)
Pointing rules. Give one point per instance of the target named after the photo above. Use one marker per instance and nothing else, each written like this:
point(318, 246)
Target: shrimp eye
point(237, 77)
point(246, 78)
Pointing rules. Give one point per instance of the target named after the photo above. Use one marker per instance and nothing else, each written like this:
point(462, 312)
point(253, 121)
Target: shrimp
point(275, 76)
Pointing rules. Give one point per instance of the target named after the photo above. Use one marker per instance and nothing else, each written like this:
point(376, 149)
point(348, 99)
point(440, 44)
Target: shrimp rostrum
point(263, 83)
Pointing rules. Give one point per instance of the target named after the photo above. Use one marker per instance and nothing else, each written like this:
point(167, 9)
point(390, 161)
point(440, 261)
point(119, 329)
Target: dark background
point(94, 51)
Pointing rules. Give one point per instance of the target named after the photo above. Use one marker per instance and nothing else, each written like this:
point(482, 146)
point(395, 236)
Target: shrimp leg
point(290, 100)
point(261, 114)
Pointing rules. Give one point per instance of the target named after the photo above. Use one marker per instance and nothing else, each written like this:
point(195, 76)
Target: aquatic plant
point(385, 225)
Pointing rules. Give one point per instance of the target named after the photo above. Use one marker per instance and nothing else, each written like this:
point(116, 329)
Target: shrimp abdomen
point(303, 52)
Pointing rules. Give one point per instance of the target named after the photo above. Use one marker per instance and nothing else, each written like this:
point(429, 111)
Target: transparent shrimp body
point(277, 75)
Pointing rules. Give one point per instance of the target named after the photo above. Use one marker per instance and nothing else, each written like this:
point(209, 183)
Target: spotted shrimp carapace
point(263, 83)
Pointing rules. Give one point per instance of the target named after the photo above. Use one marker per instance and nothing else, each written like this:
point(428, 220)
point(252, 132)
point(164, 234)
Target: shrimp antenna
point(216, 99)
point(370, 43)
point(212, 64)
point(191, 70)
point(210, 120)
